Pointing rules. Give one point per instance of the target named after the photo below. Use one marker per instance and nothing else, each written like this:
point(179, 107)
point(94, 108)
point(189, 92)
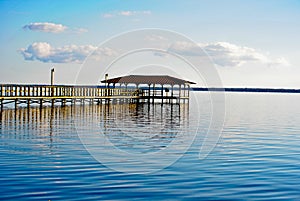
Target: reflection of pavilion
point(153, 87)
point(144, 127)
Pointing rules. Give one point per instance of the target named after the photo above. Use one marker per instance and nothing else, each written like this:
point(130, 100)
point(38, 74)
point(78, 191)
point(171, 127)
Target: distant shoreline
point(262, 90)
point(218, 89)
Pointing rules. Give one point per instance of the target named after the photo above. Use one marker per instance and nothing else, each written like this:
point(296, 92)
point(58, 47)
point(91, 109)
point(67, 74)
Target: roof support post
point(162, 94)
point(185, 92)
point(172, 93)
point(149, 93)
point(153, 93)
point(179, 94)
point(113, 90)
point(137, 93)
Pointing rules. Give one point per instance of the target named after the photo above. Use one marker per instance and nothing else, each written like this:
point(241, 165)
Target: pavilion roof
point(147, 79)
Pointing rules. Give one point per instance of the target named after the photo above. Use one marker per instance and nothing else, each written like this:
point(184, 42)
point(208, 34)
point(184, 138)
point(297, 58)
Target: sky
point(251, 43)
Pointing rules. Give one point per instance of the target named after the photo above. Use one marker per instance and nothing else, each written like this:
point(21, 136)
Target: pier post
point(184, 93)
point(1, 101)
point(162, 94)
point(16, 91)
point(41, 103)
point(172, 94)
point(149, 93)
point(153, 93)
point(63, 102)
point(179, 95)
point(188, 94)
point(16, 104)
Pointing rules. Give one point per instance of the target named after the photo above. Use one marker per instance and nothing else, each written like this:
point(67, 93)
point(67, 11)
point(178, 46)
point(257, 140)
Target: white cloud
point(79, 30)
point(126, 13)
point(45, 27)
point(107, 15)
point(186, 48)
point(44, 52)
point(130, 13)
point(227, 54)
point(51, 28)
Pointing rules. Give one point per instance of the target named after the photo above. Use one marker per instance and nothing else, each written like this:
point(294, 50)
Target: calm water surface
point(256, 158)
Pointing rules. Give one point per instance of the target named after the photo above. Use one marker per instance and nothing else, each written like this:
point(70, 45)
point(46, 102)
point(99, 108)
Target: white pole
point(52, 76)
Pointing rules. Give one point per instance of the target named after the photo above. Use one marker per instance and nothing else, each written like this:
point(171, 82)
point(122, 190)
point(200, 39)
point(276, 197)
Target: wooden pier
point(29, 94)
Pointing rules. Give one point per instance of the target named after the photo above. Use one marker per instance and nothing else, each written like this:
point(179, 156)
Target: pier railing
point(12, 91)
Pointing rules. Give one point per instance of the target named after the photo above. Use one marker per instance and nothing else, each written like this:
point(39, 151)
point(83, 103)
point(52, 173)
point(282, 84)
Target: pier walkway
point(40, 94)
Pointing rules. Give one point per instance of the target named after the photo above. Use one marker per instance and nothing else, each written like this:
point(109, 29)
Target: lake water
point(53, 153)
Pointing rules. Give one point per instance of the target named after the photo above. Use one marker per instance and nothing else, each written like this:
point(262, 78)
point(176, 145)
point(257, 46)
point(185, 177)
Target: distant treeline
point(266, 90)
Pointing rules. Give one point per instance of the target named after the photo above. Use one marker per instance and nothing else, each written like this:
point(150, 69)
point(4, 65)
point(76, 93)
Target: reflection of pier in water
point(150, 122)
point(142, 127)
point(41, 125)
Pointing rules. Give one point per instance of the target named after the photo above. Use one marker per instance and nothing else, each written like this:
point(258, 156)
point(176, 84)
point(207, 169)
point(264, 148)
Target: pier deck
point(50, 94)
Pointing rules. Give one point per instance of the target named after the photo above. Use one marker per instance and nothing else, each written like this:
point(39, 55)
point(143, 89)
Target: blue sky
point(257, 41)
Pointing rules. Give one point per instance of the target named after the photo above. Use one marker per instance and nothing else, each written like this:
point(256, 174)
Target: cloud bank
point(227, 54)
point(223, 54)
point(44, 52)
point(49, 27)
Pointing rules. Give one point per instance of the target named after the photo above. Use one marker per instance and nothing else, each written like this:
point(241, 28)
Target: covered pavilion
point(153, 87)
